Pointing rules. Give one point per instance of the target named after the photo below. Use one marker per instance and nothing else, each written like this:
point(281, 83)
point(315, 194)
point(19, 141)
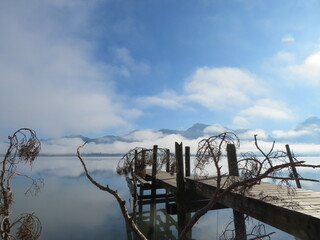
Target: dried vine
point(138, 159)
point(24, 147)
point(211, 150)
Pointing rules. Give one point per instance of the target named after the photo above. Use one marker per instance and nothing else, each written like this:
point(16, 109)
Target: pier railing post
point(135, 161)
point(187, 160)
point(232, 160)
point(239, 222)
point(167, 160)
point(154, 160)
point(294, 170)
point(141, 188)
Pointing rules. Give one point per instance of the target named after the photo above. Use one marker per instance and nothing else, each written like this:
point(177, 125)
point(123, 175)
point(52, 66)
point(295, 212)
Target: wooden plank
point(158, 200)
point(141, 180)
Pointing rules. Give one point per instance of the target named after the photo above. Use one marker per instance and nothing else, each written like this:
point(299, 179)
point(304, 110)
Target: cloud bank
point(49, 78)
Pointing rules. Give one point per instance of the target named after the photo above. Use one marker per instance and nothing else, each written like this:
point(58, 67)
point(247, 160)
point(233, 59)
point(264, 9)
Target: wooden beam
point(194, 206)
point(164, 195)
point(160, 200)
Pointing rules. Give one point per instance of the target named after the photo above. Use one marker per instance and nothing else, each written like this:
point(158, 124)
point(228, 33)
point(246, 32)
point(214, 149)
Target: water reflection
point(162, 226)
point(216, 224)
point(70, 207)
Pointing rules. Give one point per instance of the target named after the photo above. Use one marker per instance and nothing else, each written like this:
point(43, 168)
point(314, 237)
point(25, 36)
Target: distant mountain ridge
point(307, 131)
point(196, 131)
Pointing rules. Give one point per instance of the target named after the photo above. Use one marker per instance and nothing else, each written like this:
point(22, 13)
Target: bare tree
point(24, 147)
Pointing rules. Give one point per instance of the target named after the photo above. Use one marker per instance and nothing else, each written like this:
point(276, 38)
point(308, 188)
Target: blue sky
point(107, 67)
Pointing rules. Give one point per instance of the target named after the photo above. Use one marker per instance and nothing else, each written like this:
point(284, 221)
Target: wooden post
point(180, 188)
point(239, 222)
point(232, 160)
point(143, 159)
point(187, 160)
point(153, 193)
point(135, 161)
point(167, 160)
point(141, 189)
point(154, 160)
point(294, 170)
point(180, 175)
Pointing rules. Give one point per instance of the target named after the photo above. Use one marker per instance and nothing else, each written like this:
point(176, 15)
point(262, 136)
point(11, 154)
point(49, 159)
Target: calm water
point(70, 207)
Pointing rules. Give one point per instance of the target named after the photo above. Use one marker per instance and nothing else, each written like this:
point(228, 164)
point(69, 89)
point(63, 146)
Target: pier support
point(152, 232)
point(239, 221)
point(180, 187)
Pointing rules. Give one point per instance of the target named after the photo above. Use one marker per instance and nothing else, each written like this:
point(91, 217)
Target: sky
point(106, 67)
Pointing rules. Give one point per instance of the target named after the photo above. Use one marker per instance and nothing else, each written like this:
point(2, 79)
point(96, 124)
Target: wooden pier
point(298, 214)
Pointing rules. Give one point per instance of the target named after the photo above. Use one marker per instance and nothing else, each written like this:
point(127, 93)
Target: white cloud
point(214, 88)
point(148, 138)
point(49, 79)
point(166, 99)
point(61, 146)
point(261, 134)
point(308, 71)
point(264, 109)
point(215, 128)
point(220, 88)
point(289, 134)
point(144, 135)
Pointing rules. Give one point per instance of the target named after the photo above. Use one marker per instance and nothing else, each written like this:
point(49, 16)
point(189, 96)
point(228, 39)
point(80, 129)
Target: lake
point(70, 207)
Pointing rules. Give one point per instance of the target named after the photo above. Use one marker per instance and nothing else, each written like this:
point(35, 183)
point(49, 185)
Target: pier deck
point(297, 214)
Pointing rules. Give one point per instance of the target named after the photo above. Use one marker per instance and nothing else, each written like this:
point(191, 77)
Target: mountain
point(196, 131)
point(312, 123)
point(307, 131)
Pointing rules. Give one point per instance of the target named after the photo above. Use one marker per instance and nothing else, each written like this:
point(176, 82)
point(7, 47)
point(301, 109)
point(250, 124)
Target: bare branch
point(114, 193)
